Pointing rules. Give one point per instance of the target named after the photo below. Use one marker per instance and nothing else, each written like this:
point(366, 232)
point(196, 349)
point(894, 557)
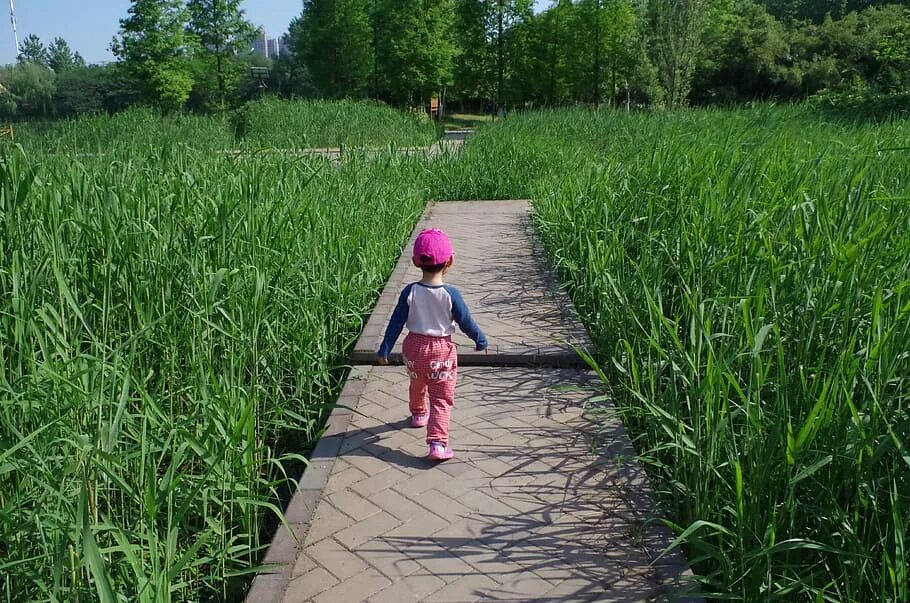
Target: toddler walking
point(431, 309)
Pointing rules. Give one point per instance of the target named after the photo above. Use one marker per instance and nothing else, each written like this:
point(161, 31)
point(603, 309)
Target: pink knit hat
point(432, 248)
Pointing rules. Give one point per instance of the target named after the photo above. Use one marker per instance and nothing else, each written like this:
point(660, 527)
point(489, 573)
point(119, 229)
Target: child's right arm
point(462, 316)
point(396, 324)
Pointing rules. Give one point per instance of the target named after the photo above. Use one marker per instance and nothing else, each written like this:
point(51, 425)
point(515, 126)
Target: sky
point(89, 25)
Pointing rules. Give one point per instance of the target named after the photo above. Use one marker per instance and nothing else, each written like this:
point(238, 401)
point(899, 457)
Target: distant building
point(270, 48)
point(261, 44)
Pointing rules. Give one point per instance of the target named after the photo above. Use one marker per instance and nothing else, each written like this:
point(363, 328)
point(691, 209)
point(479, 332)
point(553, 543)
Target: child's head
point(432, 251)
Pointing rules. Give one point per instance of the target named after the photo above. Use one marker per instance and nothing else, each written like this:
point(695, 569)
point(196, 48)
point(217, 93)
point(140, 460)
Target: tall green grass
point(268, 123)
point(173, 324)
point(172, 329)
point(131, 131)
point(271, 122)
point(746, 278)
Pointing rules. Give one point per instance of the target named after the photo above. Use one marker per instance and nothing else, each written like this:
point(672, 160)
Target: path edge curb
point(271, 581)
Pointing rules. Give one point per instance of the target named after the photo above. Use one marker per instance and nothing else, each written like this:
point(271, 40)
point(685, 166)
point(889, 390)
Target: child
point(431, 309)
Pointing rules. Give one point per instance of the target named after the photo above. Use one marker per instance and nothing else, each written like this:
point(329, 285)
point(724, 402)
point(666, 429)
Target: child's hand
point(383, 360)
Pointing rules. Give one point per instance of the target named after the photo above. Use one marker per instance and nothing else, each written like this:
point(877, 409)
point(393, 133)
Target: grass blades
point(172, 332)
point(174, 322)
point(745, 278)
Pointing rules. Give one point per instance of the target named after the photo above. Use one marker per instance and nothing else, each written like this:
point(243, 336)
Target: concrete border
point(555, 355)
point(271, 581)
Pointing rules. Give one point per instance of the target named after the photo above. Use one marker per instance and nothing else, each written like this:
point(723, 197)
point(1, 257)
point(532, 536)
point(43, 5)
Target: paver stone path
point(500, 270)
point(541, 503)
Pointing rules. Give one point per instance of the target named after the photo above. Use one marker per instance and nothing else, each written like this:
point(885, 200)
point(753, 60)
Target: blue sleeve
point(463, 317)
point(396, 323)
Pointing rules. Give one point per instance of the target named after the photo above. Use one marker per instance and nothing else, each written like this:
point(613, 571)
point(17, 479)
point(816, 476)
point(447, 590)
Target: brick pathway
point(501, 271)
point(449, 143)
point(541, 503)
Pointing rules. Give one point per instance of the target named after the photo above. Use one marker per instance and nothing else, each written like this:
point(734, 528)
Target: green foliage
point(270, 122)
point(608, 27)
point(474, 68)
point(60, 57)
point(678, 31)
point(32, 50)
point(156, 49)
point(749, 56)
point(224, 37)
point(862, 105)
point(415, 48)
point(334, 41)
point(28, 90)
point(817, 10)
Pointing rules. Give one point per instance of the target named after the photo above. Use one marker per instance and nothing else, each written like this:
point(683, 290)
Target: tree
point(889, 47)
point(609, 27)
point(558, 21)
point(473, 68)
point(155, 49)
point(817, 10)
point(61, 57)
point(416, 48)
point(223, 33)
point(28, 90)
point(509, 14)
point(746, 57)
point(678, 28)
point(334, 41)
point(495, 35)
point(32, 51)
point(82, 89)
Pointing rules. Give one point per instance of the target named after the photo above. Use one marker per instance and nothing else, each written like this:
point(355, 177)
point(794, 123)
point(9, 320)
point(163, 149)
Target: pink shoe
point(440, 452)
point(420, 420)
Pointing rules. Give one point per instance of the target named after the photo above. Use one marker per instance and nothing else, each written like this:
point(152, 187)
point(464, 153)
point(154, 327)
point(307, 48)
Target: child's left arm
point(462, 316)
point(396, 324)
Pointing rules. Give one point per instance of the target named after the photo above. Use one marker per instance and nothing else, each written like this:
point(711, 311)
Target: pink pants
point(432, 364)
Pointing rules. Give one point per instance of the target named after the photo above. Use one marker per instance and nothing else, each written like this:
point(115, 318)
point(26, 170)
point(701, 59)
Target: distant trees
point(43, 82)
point(398, 50)
point(32, 50)
point(222, 35)
point(416, 49)
point(480, 54)
point(60, 57)
point(155, 50)
point(334, 40)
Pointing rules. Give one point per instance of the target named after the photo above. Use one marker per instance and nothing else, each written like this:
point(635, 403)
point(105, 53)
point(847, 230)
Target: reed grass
point(746, 278)
point(174, 323)
point(271, 122)
point(173, 329)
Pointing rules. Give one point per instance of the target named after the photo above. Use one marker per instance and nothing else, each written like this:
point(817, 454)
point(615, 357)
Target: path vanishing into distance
point(540, 503)
point(450, 142)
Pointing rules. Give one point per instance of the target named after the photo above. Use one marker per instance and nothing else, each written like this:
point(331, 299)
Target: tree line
point(499, 53)
point(477, 54)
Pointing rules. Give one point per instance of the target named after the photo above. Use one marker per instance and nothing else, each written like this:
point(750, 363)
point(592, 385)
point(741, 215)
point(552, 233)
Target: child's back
point(431, 310)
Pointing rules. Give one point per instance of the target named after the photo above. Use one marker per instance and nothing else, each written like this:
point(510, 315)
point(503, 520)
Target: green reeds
point(172, 331)
point(746, 278)
point(271, 122)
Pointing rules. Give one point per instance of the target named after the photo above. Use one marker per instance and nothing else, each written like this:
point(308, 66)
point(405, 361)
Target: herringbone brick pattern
point(542, 501)
point(535, 505)
point(504, 278)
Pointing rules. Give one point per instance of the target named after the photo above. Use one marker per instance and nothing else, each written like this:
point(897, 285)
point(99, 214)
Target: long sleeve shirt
point(432, 310)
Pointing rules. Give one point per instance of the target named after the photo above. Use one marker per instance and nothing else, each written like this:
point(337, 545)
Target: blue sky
point(89, 25)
